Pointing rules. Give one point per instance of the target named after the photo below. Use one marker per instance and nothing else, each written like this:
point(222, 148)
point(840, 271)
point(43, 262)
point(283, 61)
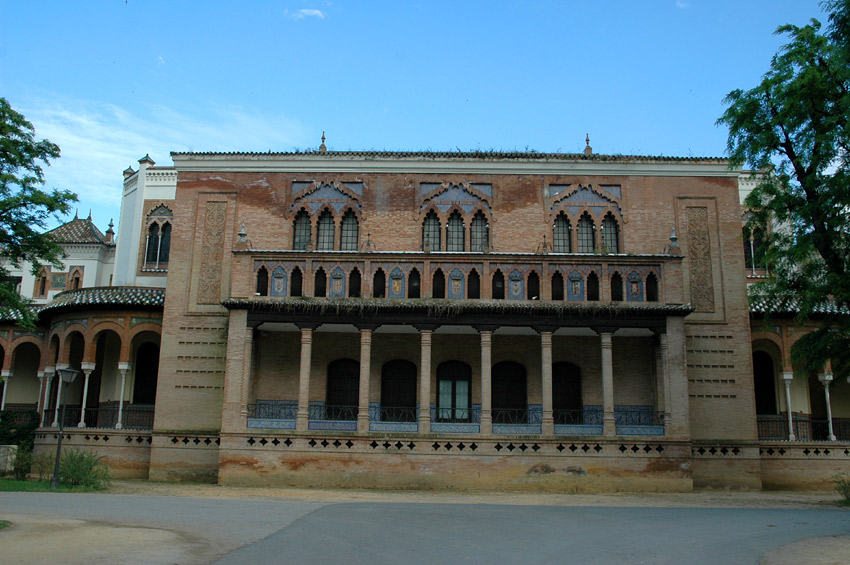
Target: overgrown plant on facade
point(842, 486)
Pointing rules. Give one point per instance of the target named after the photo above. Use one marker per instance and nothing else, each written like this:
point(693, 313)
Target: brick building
point(470, 320)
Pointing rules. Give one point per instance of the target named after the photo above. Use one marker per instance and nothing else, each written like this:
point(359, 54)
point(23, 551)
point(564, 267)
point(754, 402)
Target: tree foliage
point(794, 124)
point(25, 209)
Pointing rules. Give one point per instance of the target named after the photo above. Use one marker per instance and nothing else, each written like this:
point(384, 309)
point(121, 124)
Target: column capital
point(545, 329)
point(367, 327)
point(87, 367)
point(788, 376)
point(825, 378)
point(6, 374)
point(600, 330)
point(426, 327)
point(307, 325)
point(481, 328)
point(123, 366)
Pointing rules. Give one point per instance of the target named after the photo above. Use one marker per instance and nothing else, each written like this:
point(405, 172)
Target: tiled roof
point(108, 296)
point(482, 155)
point(760, 305)
point(78, 230)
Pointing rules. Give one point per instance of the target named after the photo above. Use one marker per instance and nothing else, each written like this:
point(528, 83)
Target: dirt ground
point(698, 499)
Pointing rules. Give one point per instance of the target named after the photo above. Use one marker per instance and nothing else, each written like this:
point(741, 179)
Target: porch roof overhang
point(425, 313)
point(103, 298)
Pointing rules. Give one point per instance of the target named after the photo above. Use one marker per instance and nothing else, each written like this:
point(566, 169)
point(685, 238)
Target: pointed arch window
point(557, 286)
point(651, 288)
point(152, 244)
point(616, 288)
point(325, 234)
point(498, 286)
point(320, 287)
point(610, 234)
point(454, 233)
point(262, 282)
point(479, 233)
point(301, 231)
point(586, 234)
point(354, 283)
point(297, 283)
point(533, 286)
point(562, 235)
point(592, 287)
point(414, 284)
point(158, 239)
point(431, 232)
point(349, 232)
point(379, 284)
point(438, 289)
point(473, 285)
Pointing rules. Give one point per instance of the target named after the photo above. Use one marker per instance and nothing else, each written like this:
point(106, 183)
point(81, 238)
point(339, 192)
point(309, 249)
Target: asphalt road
point(284, 531)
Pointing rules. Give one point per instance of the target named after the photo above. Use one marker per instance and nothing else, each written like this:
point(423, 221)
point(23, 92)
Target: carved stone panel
point(699, 252)
point(209, 284)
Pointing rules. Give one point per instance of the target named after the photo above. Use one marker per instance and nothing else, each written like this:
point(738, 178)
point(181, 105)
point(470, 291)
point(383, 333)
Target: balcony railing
point(331, 412)
point(19, 415)
point(638, 418)
point(456, 415)
point(775, 427)
point(273, 411)
point(514, 416)
point(133, 417)
point(577, 417)
point(392, 413)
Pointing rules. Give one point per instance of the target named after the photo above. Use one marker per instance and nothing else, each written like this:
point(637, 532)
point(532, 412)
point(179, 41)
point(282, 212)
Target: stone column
point(548, 422)
point(87, 370)
point(247, 376)
point(40, 376)
point(665, 376)
point(425, 336)
point(49, 373)
point(7, 375)
point(676, 400)
point(826, 379)
point(123, 367)
point(609, 425)
point(58, 395)
point(788, 377)
point(303, 414)
point(486, 382)
point(365, 374)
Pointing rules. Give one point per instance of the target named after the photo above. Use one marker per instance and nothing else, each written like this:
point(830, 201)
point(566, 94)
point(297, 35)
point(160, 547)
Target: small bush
point(842, 485)
point(84, 468)
point(42, 465)
point(23, 463)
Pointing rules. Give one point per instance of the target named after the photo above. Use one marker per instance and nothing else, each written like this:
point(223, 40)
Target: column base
point(81, 425)
point(362, 424)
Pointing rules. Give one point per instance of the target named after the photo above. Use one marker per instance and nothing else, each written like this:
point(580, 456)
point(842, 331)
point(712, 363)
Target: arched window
point(325, 235)
point(498, 286)
point(343, 389)
point(320, 285)
point(262, 282)
point(479, 233)
point(454, 398)
point(616, 287)
point(297, 283)
point(152, 244)
point(146, 373)
point(586, 234)
point(398, 391)
point(533, 290)
point(349, 232)
point(158, 241)
point(764, 383)
point(510, 401)
point(455, 233)
point(164, 243)
point(473, 285)
point(651, 288)
point(75, 279)
point(431, 233)
point(592, 287)
point(354, 283)
point(438, 287)
point(379, 284)
point(557, 286)
point(414, 284)
point(562, 235)
point(610, 234)
point(567, 405)
point(301, 231)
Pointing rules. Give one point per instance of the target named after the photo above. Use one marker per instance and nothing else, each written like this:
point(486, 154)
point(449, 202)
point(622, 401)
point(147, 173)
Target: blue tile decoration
point(457, 284)
point(517, 429)
point(578, 430)
point(575, 286)
point(455, 428)
point(332, 425)
point(268, 424)
point(278, 285)
point(516, 285)
point(634, 287)
point(640, 430)
point(400, 427)
point(535, 413)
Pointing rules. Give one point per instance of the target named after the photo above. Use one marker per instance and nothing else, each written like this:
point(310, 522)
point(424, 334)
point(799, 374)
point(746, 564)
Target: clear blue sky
point(112, 80)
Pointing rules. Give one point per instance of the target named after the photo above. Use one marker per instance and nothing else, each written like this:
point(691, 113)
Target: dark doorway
point(510, 400)
point(764, 383)
point(566, 393)
point(398, 391)
point(343, 389)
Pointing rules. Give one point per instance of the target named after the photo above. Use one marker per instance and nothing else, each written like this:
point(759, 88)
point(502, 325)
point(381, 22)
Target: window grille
point(561, 235)
point(325, 236)
point(586, 235)
point(301, 237)
point(610, 234)
point(431, 232)
point(479, 233)
point(350, 232)
point(454, 233)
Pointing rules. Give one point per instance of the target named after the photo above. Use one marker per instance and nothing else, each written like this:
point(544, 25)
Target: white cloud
point(160, 60)
point(305, 13)
point(98, 141)
point(682, 5)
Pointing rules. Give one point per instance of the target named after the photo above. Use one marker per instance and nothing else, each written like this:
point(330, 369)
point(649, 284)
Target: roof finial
point(587, 150)
point(76, 213)
point(89, 214)
point(322, 148)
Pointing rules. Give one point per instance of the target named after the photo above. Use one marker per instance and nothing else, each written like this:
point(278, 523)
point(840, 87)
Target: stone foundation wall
point(126, 453)
point(810, 466)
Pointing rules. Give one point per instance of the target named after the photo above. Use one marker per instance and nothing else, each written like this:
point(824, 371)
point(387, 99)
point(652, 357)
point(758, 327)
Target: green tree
point(795, 125)
point(25, 208)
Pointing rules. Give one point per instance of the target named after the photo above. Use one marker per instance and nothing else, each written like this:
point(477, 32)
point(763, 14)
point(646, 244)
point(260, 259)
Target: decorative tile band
point(400, 427)
point(517, 429)
point(332, 425)
point(454, 428)
point(262, 423)
point(577, 430)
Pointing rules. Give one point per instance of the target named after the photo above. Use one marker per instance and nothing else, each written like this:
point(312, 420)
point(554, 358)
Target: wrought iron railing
point(331, 412)
point(133, 417)
point(510, 416)
point(273, 411)
point(19, 415)
point(577, 417)
point(775, 427)
point(458, 415)
point(638, 418)
point(392, 413)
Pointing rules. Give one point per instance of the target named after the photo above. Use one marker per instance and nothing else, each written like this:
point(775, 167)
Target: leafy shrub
point(83, 468)
point(23, 462)
point(42, 465)
point(18, 428)
point(842, 485)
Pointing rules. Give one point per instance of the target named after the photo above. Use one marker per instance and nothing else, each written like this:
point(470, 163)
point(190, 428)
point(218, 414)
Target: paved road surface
point(285, 531)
